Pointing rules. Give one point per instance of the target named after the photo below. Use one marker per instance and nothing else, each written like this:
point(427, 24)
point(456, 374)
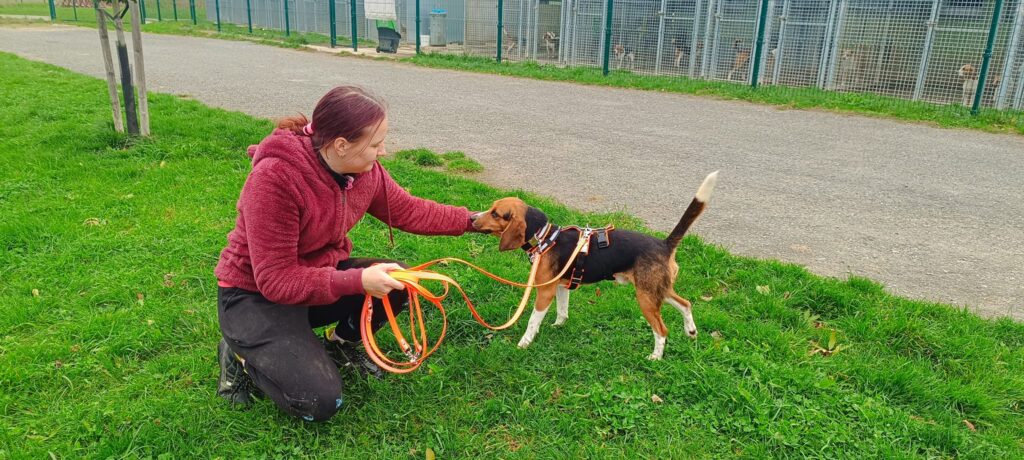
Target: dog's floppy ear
point(514, 235)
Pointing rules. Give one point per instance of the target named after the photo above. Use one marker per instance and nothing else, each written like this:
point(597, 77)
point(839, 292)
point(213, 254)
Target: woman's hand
point(377, 282)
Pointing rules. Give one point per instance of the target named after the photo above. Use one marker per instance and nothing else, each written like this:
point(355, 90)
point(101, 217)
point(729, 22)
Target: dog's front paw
point(560, 320)
point(692, 334)
point(523, 343)
point(654, 357)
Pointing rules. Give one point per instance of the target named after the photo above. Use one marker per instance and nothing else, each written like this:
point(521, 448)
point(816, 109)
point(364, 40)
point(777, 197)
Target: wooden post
point(140, 69)
point(108, 63)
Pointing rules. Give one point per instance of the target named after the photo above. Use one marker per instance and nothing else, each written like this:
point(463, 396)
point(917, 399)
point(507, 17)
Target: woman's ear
point(514, 235)
point(340, 145)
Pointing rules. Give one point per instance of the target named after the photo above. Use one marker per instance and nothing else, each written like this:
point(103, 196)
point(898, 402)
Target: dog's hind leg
point(544, 297)
point(562, 300)
point(686, 309)
point(650, 306)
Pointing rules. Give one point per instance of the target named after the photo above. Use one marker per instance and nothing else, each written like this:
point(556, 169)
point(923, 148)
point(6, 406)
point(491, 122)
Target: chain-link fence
point(912, 50)
point(83, 10)
point(171, 10)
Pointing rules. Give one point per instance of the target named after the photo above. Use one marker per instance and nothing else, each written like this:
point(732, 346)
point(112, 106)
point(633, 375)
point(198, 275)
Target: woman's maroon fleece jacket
point(293, 221)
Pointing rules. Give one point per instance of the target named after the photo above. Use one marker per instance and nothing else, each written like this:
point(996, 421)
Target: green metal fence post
point(142, 10)
point(159, 15)
point(759, 48)
point(501, 26)
point(248, 13)
point(74, 9)
point(174, 7)
point(216, 6)
point(417, 26)
point(287, 25)
point(53, 11)
point(192, 11)
point(988, 57)
point(607, 37)
point(355, 27)
point(334, 23)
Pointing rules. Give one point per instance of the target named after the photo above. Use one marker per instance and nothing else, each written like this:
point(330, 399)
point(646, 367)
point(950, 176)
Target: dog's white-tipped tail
point(708, 186)
point(693, 211)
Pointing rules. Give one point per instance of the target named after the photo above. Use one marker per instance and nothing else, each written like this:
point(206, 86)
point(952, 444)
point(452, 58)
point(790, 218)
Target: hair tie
point(308, 129)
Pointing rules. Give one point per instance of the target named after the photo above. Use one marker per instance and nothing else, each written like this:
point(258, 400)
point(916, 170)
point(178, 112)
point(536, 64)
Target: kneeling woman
point(286, 268)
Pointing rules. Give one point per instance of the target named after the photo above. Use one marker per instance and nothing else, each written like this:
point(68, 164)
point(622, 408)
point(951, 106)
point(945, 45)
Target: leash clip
point(585, 236)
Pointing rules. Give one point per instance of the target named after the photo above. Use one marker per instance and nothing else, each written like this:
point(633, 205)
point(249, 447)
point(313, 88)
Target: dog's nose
point(475, 216)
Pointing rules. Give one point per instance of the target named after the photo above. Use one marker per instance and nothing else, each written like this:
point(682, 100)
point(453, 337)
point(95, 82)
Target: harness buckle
point(575, 280)
point(602, 238)
point(535, 240)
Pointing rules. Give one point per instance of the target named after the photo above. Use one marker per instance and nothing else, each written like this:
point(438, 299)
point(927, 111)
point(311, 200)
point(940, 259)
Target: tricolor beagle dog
point(625, 256)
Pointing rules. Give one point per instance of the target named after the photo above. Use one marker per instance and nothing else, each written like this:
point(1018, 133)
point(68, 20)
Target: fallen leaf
point(35, 293)
point(764, 289)
point(597, 292)
point(149, 322)
point(58, 364)
point(430, 454)
point(706, 298)
point(190, 311)
point(656, 399)
point(163, 164)
point(717, 335)
point(156, 421)
point(92, 221)
point(786, 295)
point(142, 298)
point(168, 282)
point(970, 426)
point(75, 348)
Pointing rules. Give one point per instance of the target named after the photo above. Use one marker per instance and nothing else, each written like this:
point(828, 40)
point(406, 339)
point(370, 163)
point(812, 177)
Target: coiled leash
point(420, 348)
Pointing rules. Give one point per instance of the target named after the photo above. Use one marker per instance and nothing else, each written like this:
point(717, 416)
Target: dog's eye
point(507, 216)
point(494, 214)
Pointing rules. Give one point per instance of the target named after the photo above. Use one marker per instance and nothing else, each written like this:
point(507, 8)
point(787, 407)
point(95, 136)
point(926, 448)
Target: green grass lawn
point(108, 326)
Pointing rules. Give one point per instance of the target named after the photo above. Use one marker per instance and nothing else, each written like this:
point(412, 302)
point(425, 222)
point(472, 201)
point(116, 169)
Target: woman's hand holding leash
point(377, 282)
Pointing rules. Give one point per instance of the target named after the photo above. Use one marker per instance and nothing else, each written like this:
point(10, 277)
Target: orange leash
point(420, 348)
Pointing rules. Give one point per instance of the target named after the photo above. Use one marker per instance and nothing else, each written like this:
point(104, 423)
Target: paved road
point(932, 213)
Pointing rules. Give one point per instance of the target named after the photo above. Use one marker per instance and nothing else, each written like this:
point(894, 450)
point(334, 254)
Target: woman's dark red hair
point(346, 111)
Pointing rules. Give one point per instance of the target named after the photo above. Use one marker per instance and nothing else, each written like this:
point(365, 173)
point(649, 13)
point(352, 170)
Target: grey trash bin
point(437, 27)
